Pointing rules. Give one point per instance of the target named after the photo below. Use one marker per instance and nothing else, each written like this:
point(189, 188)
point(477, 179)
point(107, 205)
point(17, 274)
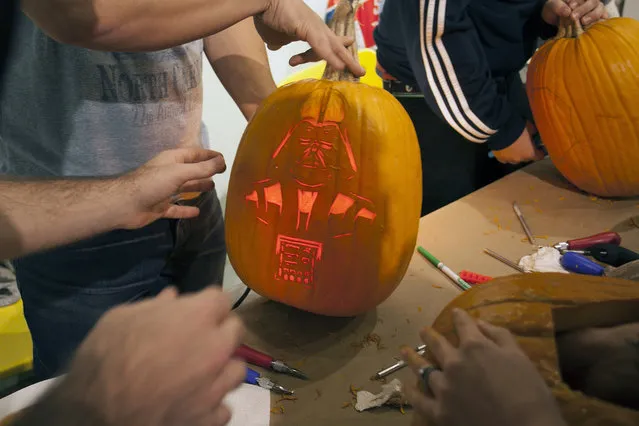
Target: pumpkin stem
point(569, 28)
point(343, 24)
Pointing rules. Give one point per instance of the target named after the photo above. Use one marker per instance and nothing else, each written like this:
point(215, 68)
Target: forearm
point(38, 215)
point(140, 25)
point(63, 405)
point(238, 57)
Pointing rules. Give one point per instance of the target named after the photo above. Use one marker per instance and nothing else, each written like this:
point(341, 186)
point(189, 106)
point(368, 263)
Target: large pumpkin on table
point(325, 191)
point(584, 93)
point(535, 307)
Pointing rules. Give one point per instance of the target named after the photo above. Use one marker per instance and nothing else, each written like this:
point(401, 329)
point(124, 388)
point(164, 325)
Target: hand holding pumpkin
point(522, 150)
point(286, 21)
point(486, 380)
point(589, 11)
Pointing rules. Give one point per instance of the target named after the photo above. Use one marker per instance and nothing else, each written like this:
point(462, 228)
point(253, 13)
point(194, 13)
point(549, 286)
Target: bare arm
point(37, 215)
point(40, 214)
point(239, 59)
point(136, 25)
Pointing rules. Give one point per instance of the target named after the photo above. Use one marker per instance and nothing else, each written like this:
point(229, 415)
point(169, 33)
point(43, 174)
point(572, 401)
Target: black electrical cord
point(241, 299)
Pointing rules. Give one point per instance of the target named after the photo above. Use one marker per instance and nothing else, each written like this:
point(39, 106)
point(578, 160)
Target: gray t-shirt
point(69, 111)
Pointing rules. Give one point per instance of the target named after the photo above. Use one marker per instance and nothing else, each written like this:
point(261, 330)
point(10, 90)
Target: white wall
point(631, 8)
point(224, 120)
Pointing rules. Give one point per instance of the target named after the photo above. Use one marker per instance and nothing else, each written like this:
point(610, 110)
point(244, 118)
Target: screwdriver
point(586, 242)
point(260, 359)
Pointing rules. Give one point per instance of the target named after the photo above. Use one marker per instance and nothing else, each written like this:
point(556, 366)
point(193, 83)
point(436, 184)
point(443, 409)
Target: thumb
point(555, 9)
point(169, 293)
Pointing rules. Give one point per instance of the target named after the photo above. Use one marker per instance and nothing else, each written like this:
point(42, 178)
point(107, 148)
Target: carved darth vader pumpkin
point(324, 196)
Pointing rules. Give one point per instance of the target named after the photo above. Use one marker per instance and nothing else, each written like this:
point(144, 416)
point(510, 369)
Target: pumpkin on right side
point(583, 89)
point(537, 309)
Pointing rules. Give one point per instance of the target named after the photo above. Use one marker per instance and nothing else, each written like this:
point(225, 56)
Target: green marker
point(445, 269)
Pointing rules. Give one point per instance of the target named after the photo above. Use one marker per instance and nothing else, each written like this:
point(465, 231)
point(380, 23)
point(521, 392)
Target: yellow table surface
point(15, 341)
point(330, 350)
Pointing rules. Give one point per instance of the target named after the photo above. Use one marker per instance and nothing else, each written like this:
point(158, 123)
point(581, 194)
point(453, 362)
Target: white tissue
point(366, 400)
point(547, 259)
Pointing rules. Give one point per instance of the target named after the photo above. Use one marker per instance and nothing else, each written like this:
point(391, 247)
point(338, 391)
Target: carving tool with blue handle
point(580, 264)
point(255, 378)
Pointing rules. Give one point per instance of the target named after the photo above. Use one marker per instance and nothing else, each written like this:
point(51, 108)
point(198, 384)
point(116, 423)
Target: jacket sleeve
point(450, 66)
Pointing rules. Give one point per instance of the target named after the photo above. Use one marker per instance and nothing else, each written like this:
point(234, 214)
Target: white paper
point(250, 405)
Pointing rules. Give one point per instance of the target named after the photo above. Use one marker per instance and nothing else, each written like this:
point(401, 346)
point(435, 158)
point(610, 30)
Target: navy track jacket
point(462, 54)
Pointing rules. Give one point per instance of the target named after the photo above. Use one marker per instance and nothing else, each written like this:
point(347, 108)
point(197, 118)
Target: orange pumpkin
point(535, 307)
point(325, 191)
point(584, 93)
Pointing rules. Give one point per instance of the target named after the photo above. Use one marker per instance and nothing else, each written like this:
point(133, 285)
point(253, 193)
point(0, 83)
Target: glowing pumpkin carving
point(325, 192)
point(584, 93)
point(535, 308)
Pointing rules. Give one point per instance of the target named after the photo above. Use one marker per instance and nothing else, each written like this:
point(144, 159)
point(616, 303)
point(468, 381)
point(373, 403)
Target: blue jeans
point(66, 290)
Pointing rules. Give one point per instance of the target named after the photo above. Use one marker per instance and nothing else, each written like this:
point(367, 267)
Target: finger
point(413, 359)
point(420, 402)
point(211, 304)
point(311, 55)
point(230, 377)
point(465, 326)
point(438, 345)
point(221, 416)
point(205, 169)
point(416, 363)
point(584, 8)
point(233, 329)
point(499, 335)
point(554, 9)
point(201, 185)
point(181, 212)
point(594, 15)
point(322, 46)
point(193, 155)
point(168, 293)
point(303, 58)
point(347, 57)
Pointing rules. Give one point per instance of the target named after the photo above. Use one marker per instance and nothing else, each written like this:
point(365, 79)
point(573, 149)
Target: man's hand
point(162, 362)
point(523, 149)
point(488, 375)
point(588, 11)
point(149, 193)
point(285, 21)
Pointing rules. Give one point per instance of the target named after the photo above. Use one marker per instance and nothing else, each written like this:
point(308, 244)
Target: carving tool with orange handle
point(260, 359)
